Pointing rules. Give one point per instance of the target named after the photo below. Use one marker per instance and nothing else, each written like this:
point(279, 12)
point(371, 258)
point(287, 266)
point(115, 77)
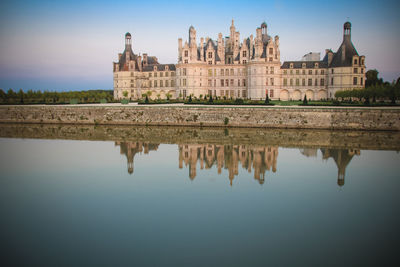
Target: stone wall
point(265, 117)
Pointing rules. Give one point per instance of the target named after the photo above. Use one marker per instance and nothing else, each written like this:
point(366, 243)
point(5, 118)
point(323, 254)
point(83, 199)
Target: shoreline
point(289, 117)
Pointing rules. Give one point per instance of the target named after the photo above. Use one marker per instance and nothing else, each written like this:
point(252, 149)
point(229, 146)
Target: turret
point(179, 49)
point(128, 41)
point(347, 31)
point(192, 36)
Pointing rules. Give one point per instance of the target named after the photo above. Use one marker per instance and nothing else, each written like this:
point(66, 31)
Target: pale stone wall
point(265, 117)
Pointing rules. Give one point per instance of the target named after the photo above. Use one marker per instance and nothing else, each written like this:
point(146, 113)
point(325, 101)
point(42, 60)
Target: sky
point(70, 45)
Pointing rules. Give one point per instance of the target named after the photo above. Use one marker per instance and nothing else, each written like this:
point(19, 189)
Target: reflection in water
point(130, 149)
point(258, 159)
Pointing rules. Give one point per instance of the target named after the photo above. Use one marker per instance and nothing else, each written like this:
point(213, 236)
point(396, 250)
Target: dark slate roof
point(214, 47)
point(152, 60)
point(349, 51)
point(122, 62)
point(309, 64)
point(160, 67)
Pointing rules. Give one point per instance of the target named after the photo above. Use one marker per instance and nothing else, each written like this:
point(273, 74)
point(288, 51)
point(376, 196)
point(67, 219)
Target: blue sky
point(55, 45)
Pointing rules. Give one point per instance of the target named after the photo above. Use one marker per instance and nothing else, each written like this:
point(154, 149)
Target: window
point(184, 72)
point(354, 80)
point(222, 82)
point(332, 71)
point(244, 61)
point(231, 72)
point(155, 83)
point(184, 96)
point(272, 70)
point(271, 93)
point(362, 70)
point(186, 61)
point(238, 82)
point(209, 72)
point(155, 74)
point(355, 70)
point(309, 72)
point(303, 82)
point(161, 74)
point(166, 83)
point(309, 82)
point(331, 81)
point(272, 81)
point(222, 72)
point(161, 84)
point(172, 83)
point(271, 51)
point(303, 72)
point(150, 74)
point(244, 53)
point(186, 53)
point(151, 84)
point(244, 82)
point(355, 61)
point(285, 81)
point(291, 82)
point(316, 65)
point(215, 83)
point(291, 65)
point(231, 82)
point(316, 72)
point(210, 54)
point(210, 62)
point(184, 82)
point(244, 93)
point(209, 82)
point(167, 74)
point(270, 58)
point(362, 61)
point(322, 72)
point(297, 72)
point(266, 81)
point(303, 65)
point(227, 82)
point(297, 82)
point(227, 72)
point(322, 82)
point(316, 82)
point(291, 72)
point(285, 72)
point(362, 81)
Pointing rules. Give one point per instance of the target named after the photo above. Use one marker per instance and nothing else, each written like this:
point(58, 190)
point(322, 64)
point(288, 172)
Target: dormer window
point(155, 68)
point(186, 53)
point(355, 61)
point(166, 67)
point(303, 65)
point(291, 65)
point(316, 65)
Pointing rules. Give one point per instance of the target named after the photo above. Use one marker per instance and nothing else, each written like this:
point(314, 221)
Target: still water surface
point(116, 203)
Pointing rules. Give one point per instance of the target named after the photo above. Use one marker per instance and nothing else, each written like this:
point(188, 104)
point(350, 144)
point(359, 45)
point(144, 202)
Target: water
point(213, 198)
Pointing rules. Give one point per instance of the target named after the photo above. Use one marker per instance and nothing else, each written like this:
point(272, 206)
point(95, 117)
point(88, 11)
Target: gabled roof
point(160, 67)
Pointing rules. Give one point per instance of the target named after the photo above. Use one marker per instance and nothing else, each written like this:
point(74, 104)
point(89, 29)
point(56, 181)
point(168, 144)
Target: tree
point(125, 94)
point(266, 99)
point(372, 78)
point(305, 102)
point(146, 100)
point(210, 100)
point(190, 99)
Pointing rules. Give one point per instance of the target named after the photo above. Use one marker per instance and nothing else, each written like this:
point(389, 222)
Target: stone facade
point(228, 68)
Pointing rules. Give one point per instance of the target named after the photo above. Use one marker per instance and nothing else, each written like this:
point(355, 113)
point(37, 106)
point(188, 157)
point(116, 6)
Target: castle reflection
point(257, 159)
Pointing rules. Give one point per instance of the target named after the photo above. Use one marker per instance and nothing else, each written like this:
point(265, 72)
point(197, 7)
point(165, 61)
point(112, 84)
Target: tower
point(192, 36)
point(347, 31)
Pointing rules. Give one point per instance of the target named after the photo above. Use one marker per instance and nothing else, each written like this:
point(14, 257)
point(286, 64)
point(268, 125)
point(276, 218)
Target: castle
point(228, 68)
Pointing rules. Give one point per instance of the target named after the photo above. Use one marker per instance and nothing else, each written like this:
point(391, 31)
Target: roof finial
point(232, 22)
